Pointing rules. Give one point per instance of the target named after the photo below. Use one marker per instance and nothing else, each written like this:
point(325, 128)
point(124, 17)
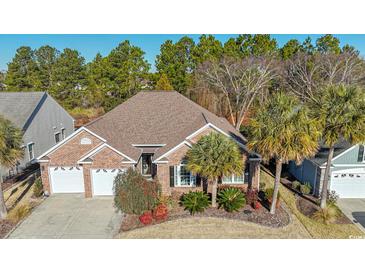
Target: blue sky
point(89, 45)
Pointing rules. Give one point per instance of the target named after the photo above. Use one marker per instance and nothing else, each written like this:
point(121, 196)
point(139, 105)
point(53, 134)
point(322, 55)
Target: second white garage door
point(66, 179)
point(103, 181)
point(349, 183)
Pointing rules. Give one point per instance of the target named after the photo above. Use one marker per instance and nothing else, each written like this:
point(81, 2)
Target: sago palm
point(213, 157)
point(10, 153)
point(342, 115)
point(282, 129)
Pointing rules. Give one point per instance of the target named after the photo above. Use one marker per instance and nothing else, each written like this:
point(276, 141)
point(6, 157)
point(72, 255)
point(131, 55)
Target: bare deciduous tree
point(306, 74)
point(240, 81)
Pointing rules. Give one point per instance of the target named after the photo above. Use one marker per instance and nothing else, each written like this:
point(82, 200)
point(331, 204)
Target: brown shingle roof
point(155, 117)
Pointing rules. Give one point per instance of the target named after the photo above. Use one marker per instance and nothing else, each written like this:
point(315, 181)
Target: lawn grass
point(317, 230)
point(215, 228)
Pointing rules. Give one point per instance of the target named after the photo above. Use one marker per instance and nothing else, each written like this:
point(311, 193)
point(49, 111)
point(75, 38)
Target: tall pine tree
point(22, 71)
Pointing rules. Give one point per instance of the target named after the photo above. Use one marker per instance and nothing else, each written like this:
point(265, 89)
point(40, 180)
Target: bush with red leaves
point(160, 212)
point(146, 218)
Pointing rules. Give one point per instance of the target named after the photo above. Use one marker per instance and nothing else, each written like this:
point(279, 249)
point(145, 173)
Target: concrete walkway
point(71, 216)
point(354, 209)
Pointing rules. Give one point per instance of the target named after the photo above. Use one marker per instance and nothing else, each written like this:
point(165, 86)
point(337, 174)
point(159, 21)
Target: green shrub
point(305, 188)
point(269, 192)
point(195, 201)
point(133, 193)
point(295, 185)
point(38, 188)
point(231, 199)
point(326, 215)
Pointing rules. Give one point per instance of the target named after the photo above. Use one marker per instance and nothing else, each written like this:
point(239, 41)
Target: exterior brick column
point(254, 180)
point(163, 177)
point(45, 177)
point(87, 180)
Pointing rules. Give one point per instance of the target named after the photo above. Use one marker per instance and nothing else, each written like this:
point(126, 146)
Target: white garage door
point(349, 183)
point(103, 181)
point(67, 180)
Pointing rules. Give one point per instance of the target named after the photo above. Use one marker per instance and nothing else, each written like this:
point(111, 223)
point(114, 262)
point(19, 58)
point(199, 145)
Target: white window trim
point(233, 182)
point(63, 130)
point(55, 137)
point(29, 144)
point(177, 178)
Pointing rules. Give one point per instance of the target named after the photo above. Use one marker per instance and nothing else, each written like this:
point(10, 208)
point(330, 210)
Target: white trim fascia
point(161, 162)
point(198, 131)
point(172, 150)
point(357, 165)
point(194, 134)
point(217, 129)
point(75, 133)
point(148, 145)
point(96, 150)
point(341, 154)
point(42, 161)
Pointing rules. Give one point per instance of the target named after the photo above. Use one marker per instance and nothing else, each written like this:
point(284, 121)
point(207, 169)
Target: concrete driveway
point(354, 209)
point(71, 216)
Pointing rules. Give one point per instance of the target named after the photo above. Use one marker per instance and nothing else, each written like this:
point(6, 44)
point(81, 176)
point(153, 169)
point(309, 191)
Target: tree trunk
point(326, 176)
point(279, 165)
point(3, 211)
point(214, 193)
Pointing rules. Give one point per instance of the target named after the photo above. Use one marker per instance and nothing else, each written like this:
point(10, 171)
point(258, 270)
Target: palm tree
point(342, 115)
point(213, 157)
point(282, 129)
point(10, 153)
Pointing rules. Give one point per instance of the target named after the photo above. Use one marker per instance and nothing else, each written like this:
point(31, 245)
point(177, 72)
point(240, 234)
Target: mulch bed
point(5, 227)
point(308, 208)
point(260, 216)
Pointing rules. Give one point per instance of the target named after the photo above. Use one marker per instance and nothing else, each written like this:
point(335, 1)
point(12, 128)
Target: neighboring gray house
point(347, 175)
point(43, 121)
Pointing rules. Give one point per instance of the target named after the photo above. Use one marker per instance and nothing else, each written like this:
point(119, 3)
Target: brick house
point(152, 131)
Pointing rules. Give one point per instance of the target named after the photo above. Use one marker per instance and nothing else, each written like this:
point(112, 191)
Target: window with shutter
point(361, 154)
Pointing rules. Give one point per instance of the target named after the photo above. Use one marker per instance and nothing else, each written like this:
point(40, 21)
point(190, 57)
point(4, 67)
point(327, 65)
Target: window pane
point(184, 177)
point(227, 179)
point(238, 178)
point(31, 152)
point(63, 133)
point(57, 137)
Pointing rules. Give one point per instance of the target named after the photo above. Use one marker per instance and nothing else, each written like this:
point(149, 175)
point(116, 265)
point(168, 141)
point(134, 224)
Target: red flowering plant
point(160, 213)
point(146, 218)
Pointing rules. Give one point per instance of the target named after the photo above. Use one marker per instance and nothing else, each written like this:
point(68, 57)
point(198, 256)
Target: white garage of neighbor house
point(347, 175)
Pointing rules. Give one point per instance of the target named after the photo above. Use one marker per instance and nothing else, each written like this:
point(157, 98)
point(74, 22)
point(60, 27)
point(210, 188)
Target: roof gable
point(21, 107)
point(156, 117)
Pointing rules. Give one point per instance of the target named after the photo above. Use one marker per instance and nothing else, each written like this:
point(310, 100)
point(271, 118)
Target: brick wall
point(69, 153)
point(163, 172)
point(105, 158)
